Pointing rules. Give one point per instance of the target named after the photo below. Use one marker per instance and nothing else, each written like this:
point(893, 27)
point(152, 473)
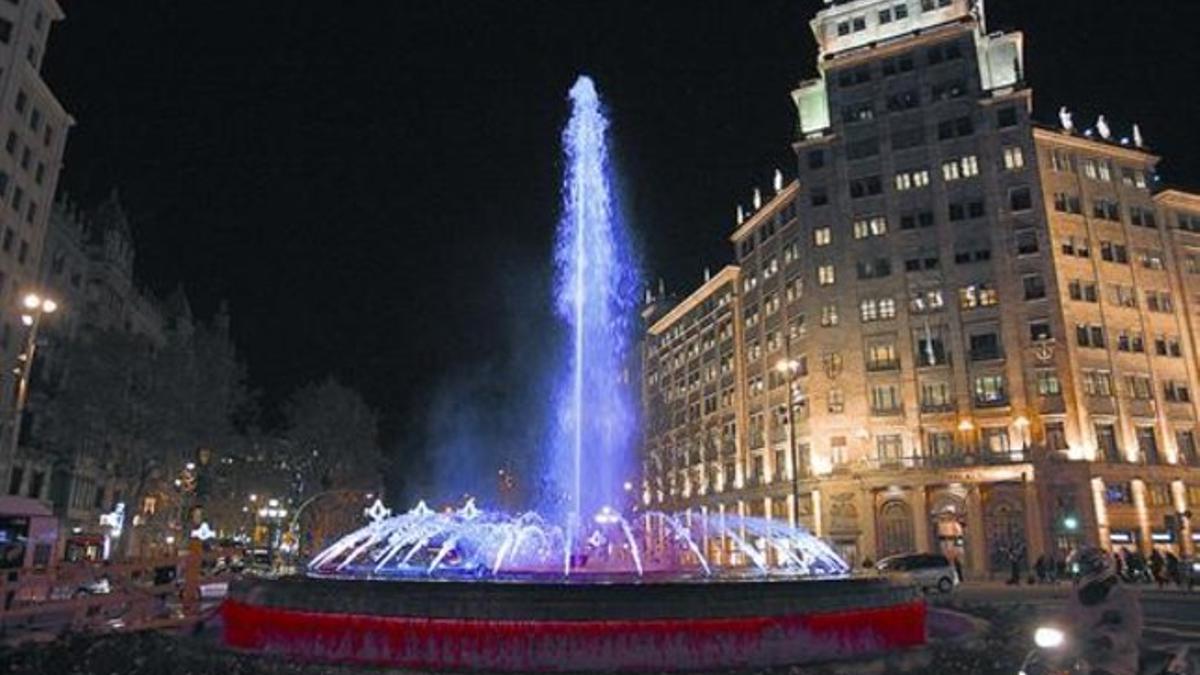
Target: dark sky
point(373, 185)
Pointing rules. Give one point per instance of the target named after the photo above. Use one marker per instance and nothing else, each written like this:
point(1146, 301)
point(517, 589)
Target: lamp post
point(34, 308)
point(274, 514)
point(788, 367)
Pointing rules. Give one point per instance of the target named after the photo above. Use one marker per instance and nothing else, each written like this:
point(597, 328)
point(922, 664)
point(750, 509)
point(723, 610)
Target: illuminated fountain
point(585, 586)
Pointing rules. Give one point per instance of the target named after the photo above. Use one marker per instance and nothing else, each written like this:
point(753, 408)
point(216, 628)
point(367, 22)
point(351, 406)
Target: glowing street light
point(34, 306)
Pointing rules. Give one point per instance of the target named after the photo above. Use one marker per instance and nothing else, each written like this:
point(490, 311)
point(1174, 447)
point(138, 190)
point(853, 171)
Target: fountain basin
point(573, 626)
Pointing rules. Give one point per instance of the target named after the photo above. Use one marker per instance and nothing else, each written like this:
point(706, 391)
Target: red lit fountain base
point(572, 627)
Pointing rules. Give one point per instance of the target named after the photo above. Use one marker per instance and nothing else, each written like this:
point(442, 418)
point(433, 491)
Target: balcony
point(1142, 407)
point(883, 366)
point(1051, 405)
point(937, 408)
point(894, 411)
point(986, 354)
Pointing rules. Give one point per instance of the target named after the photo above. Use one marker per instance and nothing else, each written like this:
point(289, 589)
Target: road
point(1172, 617)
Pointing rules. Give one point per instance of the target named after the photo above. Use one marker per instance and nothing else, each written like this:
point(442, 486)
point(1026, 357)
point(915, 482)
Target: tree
point(145, 410)
point(334, 439)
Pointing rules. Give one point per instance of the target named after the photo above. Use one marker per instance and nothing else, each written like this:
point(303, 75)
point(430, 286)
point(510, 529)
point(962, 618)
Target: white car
point(925, 570)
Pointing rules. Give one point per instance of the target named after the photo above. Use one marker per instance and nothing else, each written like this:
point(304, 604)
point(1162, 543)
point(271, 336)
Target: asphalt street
point(1172, 617)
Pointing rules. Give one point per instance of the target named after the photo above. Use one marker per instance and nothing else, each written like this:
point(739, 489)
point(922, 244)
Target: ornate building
point(957, 330)
point(34, 126)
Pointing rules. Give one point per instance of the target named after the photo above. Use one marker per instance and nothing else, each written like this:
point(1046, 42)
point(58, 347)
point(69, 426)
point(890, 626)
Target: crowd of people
point(1161, 567)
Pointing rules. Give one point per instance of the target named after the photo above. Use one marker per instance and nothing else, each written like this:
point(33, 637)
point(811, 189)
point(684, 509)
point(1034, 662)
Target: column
point(866, 523)
point(1143, 516)
point(920, 507)
point(1035, 524)
point(1179, 495)
point(976, 536)
point(818, 524)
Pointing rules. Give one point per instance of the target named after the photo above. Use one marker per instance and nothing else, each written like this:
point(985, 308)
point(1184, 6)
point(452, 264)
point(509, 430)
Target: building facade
point(34, 126)
point(956, 330)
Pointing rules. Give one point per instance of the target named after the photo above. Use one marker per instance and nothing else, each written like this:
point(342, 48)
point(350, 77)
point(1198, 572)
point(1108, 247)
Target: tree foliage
point(334, 438)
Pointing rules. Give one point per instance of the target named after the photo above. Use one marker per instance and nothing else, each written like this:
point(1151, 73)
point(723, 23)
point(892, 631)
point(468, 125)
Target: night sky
point(373, 185)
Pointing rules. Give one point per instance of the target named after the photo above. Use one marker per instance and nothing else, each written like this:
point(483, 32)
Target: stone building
point(956, 330)
point(34, 126)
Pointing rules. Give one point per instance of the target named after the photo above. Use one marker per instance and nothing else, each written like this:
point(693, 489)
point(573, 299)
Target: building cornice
point(1178, 198)
point(768, 209)
point(1080, 142)
point(726, 275)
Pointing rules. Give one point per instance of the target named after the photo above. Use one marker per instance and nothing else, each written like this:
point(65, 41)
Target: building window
point(829, 315)
point(1083, 291)
point(963, 167)
point(889, 448)
point(1039, 329)
point(819, 196)
point(989, 390)
point(1138, 387)
point(859, 112)
point(882, 357)
point(1067, 203)
point(904, 100)
point(1106, 209)
point(1056, 436)
point(1027, 242)
point(1048, 383)
point(1142, 217)
point(907, 180)
point(1176, 392)
point(822, 236)
point(985, 347)
point(1147, 445)
point(1114, 252)
point(877, 309)
point(955, 128)
point(1118, 493)
point(1035, 287)
point(936, 397)
point(911, 221)
point(898, 64)
point(1062, 161)
point(1006, 117)
point(874, 269)
point(968, 209)
point(885, 399)
point(1097, 383)
point(1020, 199)
point(1014, 158)
point(1076, 247)
point(1090, 336)
point(926, 301)
point(816, 159)
point(1123, 296)
point(930, 348)
point(1151, 259)
point(996, 441)
point(1185, 443)
point(875, 226)
point(977, 295)
point(865, 187)
point(836, 404)
point(1106, 442)
point(1159, 301)
point(826, 275)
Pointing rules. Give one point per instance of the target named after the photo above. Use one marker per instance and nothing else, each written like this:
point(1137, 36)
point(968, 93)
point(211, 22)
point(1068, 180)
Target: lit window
point(1013, 158)
point(822, 236)
point(825, 275)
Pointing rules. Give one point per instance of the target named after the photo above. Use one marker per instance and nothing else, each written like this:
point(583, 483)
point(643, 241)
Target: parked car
point(926, 570)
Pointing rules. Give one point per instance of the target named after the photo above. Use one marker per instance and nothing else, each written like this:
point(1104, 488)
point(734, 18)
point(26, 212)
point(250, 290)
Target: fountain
point(585, 586)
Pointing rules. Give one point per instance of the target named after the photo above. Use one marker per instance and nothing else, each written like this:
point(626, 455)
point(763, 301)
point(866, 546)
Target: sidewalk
point(1063, 588)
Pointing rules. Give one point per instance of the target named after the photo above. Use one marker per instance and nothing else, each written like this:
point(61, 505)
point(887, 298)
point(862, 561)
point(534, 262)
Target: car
point(926, 570)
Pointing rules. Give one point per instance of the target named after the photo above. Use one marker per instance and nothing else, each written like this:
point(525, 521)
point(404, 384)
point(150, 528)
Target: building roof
point(769, 209)
point(726, 275)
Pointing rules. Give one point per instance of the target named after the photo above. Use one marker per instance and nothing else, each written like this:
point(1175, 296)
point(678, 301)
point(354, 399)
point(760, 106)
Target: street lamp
point(34, 308)
point(789, 367)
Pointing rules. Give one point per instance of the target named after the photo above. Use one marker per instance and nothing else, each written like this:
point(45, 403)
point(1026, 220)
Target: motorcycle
point(1056, 653)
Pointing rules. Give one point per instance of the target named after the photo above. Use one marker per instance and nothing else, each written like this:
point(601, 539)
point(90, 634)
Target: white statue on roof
point(741, 215)
point(1138, 140)
point(1067, 119)
point(757, 199)
point(778, 180)
point(1103, 128)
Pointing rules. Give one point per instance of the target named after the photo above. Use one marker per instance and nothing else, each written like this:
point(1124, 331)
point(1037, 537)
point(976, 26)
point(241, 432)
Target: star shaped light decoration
point(204, 532)
point(377, 512)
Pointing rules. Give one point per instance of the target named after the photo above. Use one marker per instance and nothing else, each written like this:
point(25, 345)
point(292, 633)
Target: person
point(1173, 570)
point(1158, 566)
point(1039, 568)
point(1107, 616)
point(1119, 560)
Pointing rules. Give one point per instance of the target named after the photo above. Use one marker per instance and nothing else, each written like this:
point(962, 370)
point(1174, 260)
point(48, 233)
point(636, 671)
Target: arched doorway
point(948, 528)
point(1005, 526)
point(895, 528)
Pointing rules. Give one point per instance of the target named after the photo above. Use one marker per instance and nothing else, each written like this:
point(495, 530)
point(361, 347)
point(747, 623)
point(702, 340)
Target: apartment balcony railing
point(952, 460)
point(883, 366)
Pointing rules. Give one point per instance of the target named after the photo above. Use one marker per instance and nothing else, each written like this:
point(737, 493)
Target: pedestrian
point(1158, 565)
point(1119, 562)
point(1040, 568)
point(1173, 571)
point(1014, 561)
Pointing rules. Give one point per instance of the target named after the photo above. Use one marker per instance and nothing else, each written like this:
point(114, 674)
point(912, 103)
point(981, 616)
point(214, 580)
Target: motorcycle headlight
point(1048, 638)
point(1196, 567)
